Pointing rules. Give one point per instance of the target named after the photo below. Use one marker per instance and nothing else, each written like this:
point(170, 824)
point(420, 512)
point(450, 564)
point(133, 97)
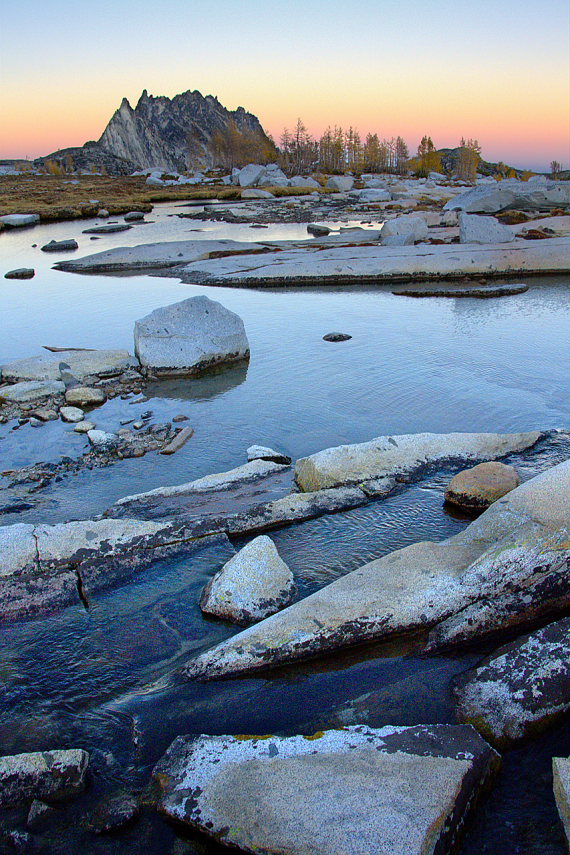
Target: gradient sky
point(498, 72)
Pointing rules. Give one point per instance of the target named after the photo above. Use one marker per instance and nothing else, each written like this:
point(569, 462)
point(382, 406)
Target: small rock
point(38, 815)
point(103, 213)
point(103, 441)
point(138, 425)
point(109, 229)
point(45, 414)
point(179, 440)
point(49, 775)
point(114, 813)
point(336, 336)
point(179, 418)
point(85, 396)
point(60, 246)
point(318, 230)
point(84, 427)
point(36, 422)
point(134, 216)
point(262, 452)
point(480, 486)
point(20, 273)
point(71, 414)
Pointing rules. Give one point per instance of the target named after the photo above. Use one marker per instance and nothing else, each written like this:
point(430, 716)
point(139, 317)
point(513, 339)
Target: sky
point(497, 72)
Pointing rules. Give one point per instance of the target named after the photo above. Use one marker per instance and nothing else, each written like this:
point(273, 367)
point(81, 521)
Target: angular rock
point(72, 414)
point(480, 486)
point(319, 795)
point(190, 336)
point(21, 273)
point(103, 441)
point(60, 246)
point(45, 414)
point(318, 230)
point(398, 240)
point(343, 183)
point(408, 225)
point(51, 775)
point(473, 229)
point(301, 181)
point(16, 221)
point(253, 584)
point(250, 174)
point(506, 569)
point(520, 689)
point(561, 784)
point(85, 396)
point(31, 390)
point(262, 452)
point(402, 455)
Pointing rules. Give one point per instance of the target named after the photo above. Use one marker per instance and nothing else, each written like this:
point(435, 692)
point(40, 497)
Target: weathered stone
point(408, 225)
point(60, 246)
point(31, 390)
point(253, 584)
point(520, 689)
point(250, 174)
point(179, 440)
point(483, 292)
point(374, 195)
point(511, 194)
point(84, 427)
point(473, 229)
point(45, 414)
point(51, 775)
point(72, 414)
point(16, 221)
point(20, 273)
point(318, 230)
point(480, 486)
point(398, 240)
point(262, 452)
point(114, 813)
point(81, 364)
point(103, 441)
point(320, 795)
point(561, 783)
point(190, 336)
point(506, 569)
point(253, 193)
point(85, 396)
point(109, 229)
point(343, 183)
point(134, 216)
point(336, 336)
point(399, 455)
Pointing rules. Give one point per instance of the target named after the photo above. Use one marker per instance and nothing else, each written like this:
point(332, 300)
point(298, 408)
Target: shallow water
point(102, 678)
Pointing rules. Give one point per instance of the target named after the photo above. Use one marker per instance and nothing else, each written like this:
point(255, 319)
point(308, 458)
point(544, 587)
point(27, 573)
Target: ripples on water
point(102, 678)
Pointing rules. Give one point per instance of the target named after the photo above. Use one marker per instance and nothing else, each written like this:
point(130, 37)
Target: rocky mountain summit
point(186, 132)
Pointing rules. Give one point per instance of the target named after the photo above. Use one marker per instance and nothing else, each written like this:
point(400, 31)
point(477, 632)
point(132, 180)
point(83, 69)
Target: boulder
point(320, 795)
point(85, 396)
point(473, 229)
point(20, 273)
point(250, 175)
point(103, 213)
point(102, 441)
point(134, 216)
point(402, 455)
point(342, 183)
point(318, 230)
point(398, 240)
point(16, 221)
point(45, 414)
point(502, 195)
point(273, 176)
point(406, 225)
point(190, 336)
point(31, 390)
point(301, 181)
point(71, 414)
point(520, 689)
point(253, 584)
point(60, 246)
point(51, 775)
point(478, 487)
point(561, 784)
point(374, 195)
point(81, 363)
point(256, 194)
point(437, 177)
point(262, 452)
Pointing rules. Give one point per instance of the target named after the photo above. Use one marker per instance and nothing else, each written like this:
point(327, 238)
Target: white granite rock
point(31, 390)
point(15, 221)
point(408, 225)
point(72, 414)
point(250, 174)
point(82, 363)
point(474, 229)
point(343, 183)
point(51, 775)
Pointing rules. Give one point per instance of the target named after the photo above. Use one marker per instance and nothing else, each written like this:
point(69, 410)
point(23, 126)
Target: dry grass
point(56, 197)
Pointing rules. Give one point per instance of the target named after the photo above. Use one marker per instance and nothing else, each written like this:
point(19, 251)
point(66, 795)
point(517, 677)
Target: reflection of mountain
point(209, 385)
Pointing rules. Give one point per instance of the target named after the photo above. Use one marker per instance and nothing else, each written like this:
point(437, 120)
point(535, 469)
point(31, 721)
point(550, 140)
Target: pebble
point(138, 425)
point(71, 414)
point(84, 427)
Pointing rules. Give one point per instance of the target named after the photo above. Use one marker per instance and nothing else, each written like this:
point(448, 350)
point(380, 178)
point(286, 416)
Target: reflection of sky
point(408, 67)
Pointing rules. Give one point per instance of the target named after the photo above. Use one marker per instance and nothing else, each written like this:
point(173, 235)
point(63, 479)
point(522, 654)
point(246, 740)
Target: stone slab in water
point(60, 245)
point(20, 273)
point(482, 292)
point(51, 775)
point(31, 390)
point(82, 363)
point(357, 791)
point(107, 230)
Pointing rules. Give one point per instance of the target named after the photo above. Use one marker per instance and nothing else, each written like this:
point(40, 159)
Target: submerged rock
point(253, 584)
point(51, 775)
point(520, 689)
point(134, 216)
point(107, 230)
point(190, 336)
point(478, 487)
point(393, 791)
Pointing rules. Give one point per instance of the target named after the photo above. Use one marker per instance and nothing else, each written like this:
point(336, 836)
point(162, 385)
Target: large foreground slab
point(357, 791)
point(507, 568)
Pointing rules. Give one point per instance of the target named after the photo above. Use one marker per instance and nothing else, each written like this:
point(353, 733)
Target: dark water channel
point(105, 678)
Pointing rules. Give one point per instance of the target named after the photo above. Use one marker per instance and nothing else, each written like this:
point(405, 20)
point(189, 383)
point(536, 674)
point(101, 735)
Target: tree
point(468, 160)
point(555, 168)
point(428, 158)
point(401, 154)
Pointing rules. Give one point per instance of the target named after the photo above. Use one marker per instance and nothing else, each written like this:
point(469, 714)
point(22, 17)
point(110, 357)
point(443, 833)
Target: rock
point(473, 229)
point(318, 230)
point(134, 216)
point(301, 181)
point(51, 775)
point(481, 293)
point(402, 455)
point(336, 336)
point(561, 783)
point(477, 488)
point(273, 176)
point(85, 396)
point(253, 584)
point(31, 390)
point(114, 813)
point(103, 213)
point(407, 225)
point(437, 177)
point(103, 441)
point(511, 194)
point(36, 422)
point(107, 230)
point(16, 221)
point(179, 440)
point(72, 414)
point(506, 569)
point(45, 414)
point(84, 427)
point(319, 795)
point(20, 273)
point(190, 336)
point(520, 689)
point(256, 194)
point(262, 452)
point(39, 815)
point(250, 174)
point(342, 183)
point(60, 246)
point(398, 240)
point(374, 195)
point(81, 363)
